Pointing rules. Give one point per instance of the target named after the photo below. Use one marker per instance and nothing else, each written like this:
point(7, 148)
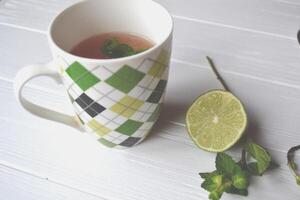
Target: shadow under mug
point(117, 100)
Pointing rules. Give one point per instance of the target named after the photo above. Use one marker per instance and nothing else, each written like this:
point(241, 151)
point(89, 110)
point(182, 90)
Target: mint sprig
point(112, 48)
point(233, 177)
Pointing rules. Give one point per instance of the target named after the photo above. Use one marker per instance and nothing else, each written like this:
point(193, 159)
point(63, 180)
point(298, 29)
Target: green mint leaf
point(226, 165)
point(123, 50)
point(298, 180)
point(243, 192)
point(109, 46)
point(262, 157)
point(227, 184)
point(215, 195)
point(240, 180)
point(217, 179)
point(253, 169)
point(212, 183)
point(113, 49)
point(205, 175)
point(209, 185)
point(208, 174)
point(293, 165)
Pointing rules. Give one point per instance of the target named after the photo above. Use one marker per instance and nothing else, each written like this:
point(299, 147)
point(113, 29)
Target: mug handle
point(30, 72)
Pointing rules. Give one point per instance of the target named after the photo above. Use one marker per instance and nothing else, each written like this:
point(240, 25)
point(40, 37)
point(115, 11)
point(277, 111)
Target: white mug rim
point(112, 60)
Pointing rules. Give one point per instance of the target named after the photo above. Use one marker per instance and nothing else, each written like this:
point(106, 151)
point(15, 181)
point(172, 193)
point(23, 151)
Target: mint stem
point(211, 63)
point(243, 159)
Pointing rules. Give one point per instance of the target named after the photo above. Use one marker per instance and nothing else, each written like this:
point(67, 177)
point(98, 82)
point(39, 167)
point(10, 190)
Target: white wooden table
point(253, 42)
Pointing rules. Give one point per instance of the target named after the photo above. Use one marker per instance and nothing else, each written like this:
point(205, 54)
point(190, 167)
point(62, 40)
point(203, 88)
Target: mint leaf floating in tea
point(112, 48)
point(291, 163)
point(109, 46)
point(122, 50)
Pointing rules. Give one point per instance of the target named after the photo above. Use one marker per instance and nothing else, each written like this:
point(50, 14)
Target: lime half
point(216, 120)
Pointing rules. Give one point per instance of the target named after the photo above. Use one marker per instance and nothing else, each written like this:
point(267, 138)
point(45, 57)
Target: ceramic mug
point(117, 100)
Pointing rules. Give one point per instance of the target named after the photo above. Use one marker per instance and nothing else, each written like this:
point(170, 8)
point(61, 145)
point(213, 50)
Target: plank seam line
point(23, 27)
point(279, 13)
point(234, 27)
point(177, 123)
point(9, 166)
point(287, 2)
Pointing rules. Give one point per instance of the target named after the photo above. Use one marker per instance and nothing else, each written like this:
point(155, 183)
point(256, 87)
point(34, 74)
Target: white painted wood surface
point(252, 42)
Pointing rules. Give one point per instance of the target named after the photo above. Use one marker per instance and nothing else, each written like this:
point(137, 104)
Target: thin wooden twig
point(291, 163)
point(219, 77)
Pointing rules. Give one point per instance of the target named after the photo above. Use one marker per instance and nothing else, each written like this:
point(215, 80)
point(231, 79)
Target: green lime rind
point(216, 120)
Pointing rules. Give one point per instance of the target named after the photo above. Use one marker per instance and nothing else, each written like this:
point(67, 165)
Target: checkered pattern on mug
point(121, 104)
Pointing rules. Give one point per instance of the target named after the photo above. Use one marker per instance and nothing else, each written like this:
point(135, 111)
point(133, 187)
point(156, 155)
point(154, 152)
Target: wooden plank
point(271, 17)
point(18, 185)
point(162, 167)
